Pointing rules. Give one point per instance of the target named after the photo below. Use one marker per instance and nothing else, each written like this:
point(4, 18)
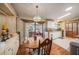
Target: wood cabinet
point(72, 28)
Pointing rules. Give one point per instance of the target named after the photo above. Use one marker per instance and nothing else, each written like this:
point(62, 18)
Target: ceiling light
point(37, 17)
point(69, 8)
point(64, 15)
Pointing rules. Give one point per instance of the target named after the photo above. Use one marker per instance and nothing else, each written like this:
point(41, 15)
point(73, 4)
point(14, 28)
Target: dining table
point(33, 44)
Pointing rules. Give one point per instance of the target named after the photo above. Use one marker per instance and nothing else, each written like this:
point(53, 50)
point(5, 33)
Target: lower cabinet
point(8, 51)
point(2, 51)
point(15, 48)
point(11, 47)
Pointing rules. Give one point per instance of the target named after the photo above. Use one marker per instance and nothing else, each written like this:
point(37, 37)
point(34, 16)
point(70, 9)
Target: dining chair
point(45, 47)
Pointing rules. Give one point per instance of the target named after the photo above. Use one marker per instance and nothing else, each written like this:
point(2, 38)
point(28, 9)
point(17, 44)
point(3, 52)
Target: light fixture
point(64, 15)
point(37, 17)
point(69, 8)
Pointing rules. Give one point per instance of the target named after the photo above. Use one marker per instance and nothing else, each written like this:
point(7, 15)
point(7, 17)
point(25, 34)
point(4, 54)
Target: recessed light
point(64, 15)
point(69, 8)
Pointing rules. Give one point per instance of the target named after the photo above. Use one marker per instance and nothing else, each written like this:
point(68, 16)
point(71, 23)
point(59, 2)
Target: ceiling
point(4, 10)
point(46, 10)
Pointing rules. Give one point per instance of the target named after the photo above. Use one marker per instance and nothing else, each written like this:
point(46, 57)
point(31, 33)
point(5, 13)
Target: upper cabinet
point(72, 28)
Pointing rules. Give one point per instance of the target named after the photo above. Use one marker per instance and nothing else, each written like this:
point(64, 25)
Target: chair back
point(45, 47)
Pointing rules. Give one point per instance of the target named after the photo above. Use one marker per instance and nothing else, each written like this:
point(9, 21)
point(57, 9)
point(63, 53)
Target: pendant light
point(37, 18)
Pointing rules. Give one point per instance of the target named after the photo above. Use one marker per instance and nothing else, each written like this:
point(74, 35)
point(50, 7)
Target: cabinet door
point(70, 26)
point(2, 52)
point(15, 47)
point(67, 27)
point(74, 27)
point(8, 51)
point(8, 47)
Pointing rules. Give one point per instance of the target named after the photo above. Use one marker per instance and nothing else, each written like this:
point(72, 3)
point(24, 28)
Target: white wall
point(20, 29)
point(2, 21)
point(9, 21)
point(11, 24)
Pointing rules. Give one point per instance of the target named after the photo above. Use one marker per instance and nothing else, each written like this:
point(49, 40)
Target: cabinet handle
point(9, 49)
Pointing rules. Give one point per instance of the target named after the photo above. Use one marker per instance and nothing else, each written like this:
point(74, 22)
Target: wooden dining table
point(32, 44)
